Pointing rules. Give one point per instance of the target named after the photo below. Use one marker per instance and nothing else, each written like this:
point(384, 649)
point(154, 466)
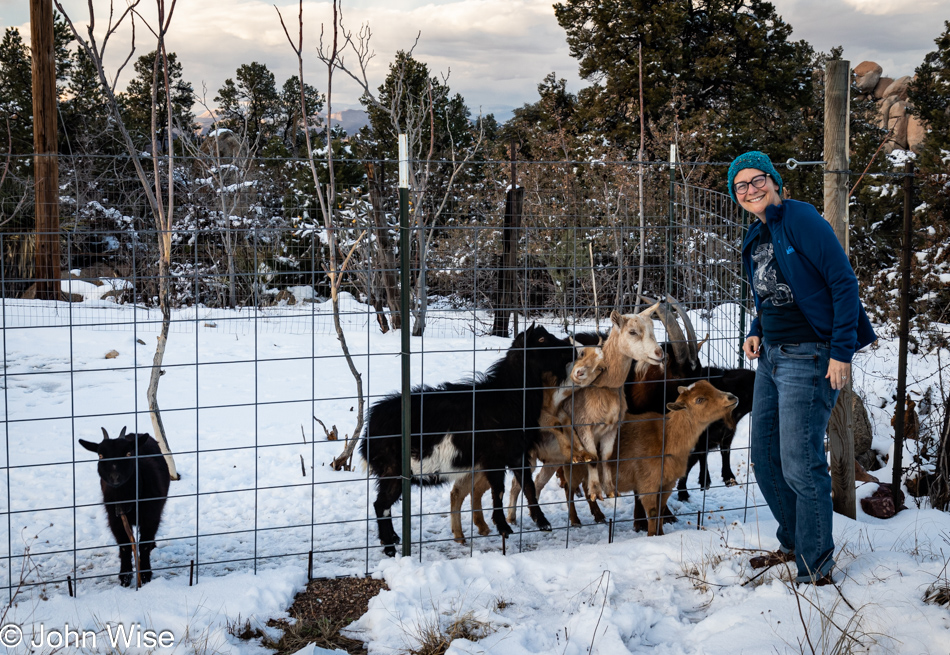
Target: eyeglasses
point(758, 182)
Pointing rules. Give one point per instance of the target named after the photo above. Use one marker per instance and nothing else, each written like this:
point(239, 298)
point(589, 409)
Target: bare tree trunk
point(327, 205)
point(385, 252)
point(162, 216)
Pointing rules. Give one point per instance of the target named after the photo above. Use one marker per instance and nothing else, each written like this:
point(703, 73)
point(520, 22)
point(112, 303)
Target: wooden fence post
point(46, 164)
point(837, 113)
point(507, 294)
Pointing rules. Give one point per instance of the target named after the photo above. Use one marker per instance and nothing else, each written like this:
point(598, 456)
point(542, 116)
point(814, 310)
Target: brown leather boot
point(771, 559)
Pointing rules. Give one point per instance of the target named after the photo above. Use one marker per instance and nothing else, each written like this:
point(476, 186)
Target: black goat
point(486, 424)
point(134, 480)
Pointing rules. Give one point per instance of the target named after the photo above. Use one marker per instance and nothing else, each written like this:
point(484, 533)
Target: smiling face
point(756, 200)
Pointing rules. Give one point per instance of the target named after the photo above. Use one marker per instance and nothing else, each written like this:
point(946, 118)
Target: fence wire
point(256, 396)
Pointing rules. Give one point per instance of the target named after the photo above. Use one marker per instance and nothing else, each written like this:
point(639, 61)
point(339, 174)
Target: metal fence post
point(669, 227)
point(404, 293)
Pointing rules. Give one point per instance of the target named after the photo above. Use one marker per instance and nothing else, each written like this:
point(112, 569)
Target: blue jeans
point(790, 412)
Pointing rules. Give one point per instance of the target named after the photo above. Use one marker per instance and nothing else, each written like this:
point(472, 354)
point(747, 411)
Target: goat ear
point(675, 406)
point(648, 312)
point(89, 445)
point(616, 318)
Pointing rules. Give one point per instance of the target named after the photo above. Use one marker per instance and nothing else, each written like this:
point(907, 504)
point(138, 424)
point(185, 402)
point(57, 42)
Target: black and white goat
point(134, 479)
point(487, 424)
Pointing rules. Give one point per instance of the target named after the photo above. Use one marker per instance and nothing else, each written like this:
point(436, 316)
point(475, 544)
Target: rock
point(861, 475)
point(884, 111)
point(916, 133)
point(866, 76)
point(881, 87)
point(864, 455)
point(880, 504)
point(96, 271)
point(920, 486)
point(112, 354)
point(900, 132)
point(898, 87)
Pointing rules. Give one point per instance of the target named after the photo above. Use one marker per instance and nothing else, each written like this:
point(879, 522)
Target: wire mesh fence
point(256, 395)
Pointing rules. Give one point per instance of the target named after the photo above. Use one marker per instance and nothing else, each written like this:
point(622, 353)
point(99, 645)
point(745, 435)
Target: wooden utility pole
point(45, 162)
point(837, 114)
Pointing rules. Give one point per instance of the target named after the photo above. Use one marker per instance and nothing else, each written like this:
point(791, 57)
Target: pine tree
point(930, 94)
point(411, 91)
point(727, 65)
point(251, 105)
point(289, 120)
point(136, 102)
point(16, 93)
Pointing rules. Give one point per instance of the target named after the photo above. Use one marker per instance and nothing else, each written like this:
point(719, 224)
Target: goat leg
point(388, 492)
point(457, 496)
point(524, 478)
point(478, 518)
point(497, 481)
point(725, 449)
point(125, 565)
point(639, 515)
point(704, 480)
point(608, 461)
point(594, 490)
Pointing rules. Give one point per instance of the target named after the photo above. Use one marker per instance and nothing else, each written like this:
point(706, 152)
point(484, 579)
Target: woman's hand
point(751, 347)
point(838, 373)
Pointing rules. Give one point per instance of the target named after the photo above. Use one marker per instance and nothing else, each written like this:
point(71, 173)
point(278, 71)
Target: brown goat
point(598, 409)
point(654, 448)
point(556, 435)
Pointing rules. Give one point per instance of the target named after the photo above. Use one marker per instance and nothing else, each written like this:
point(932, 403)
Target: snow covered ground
point(257, 495)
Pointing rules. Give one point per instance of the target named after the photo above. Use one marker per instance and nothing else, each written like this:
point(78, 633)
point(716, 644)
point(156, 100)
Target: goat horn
point(122, 434)
point(690, 330)
point(105, 435)
point(674, 335)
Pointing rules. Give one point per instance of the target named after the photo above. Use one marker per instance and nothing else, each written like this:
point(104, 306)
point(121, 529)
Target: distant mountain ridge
point(350, 120)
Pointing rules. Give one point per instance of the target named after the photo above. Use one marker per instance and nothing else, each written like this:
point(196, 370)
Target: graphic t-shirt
point(781, 319)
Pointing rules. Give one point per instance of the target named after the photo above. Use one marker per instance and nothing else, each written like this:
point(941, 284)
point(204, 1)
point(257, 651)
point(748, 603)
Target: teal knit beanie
point(753, 159)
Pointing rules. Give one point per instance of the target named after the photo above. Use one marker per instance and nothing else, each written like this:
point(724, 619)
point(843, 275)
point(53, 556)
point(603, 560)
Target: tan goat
point(654, 448)
point(555, 431)
point(598, 409)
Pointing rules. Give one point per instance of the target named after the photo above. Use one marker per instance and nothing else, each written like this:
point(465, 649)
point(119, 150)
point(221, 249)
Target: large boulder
point(916, 133)
point(866, 76)
point(898, 87)
point(897, 123)
point(881, 87)
point(884, 111)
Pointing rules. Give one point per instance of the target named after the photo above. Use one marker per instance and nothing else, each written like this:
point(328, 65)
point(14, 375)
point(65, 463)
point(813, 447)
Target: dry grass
point(430, 637)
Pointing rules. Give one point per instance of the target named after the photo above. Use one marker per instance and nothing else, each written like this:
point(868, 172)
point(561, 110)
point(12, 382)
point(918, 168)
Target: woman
point(809, 324)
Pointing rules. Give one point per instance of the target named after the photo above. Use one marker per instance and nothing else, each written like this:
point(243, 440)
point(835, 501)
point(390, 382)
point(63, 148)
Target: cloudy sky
point(495, 51)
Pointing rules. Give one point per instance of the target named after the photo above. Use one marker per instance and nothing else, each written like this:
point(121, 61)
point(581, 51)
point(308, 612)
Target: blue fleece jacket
point(813, 262)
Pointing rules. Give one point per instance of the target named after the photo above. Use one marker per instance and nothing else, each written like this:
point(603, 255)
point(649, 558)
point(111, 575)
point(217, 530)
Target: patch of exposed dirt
point(322, 610)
